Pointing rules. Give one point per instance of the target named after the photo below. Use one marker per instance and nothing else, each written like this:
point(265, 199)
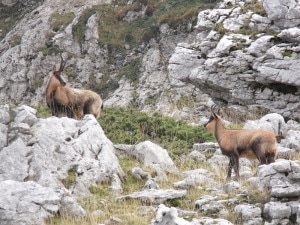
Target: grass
point(59, 21)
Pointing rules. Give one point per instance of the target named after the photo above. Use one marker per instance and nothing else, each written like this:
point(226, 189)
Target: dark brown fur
point(75, 103)
point(260, 144)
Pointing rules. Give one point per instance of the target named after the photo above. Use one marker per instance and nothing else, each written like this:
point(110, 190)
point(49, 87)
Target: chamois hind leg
point(258, 150)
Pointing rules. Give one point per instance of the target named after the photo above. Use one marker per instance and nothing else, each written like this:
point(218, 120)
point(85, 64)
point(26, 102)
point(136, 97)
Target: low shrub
point(130, 126)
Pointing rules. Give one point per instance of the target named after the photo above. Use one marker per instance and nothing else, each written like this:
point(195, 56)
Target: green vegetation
point(70, 179)
point(52, 50)
point(131, 71)
point(115, 30)
point(129, 126)
point(219, 27)
point(8, 17)
point(59, 21)
point(287, 53)
point(42, 111)
point(256, 8)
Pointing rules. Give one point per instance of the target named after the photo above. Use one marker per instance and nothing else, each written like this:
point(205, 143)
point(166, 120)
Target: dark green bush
point(129, 126)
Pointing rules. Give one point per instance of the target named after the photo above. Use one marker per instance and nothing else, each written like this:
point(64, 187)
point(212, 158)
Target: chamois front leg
point(233, 163)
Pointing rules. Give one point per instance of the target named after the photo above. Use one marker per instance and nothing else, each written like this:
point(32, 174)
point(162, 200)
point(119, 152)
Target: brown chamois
point(236, 143)
point(74, 102)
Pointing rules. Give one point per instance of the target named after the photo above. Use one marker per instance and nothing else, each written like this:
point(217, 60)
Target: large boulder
point(46, 164)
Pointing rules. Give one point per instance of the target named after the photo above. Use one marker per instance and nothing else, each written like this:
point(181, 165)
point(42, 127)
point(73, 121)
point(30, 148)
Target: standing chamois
point(235, 143)
point(75, 103)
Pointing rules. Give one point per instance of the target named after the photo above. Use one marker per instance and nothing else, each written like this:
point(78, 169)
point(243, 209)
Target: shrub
point(131, 71)
point(129, 126)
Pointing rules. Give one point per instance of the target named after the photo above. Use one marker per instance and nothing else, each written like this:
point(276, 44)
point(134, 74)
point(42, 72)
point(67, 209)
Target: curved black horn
point(213, 108)
point(62, 64)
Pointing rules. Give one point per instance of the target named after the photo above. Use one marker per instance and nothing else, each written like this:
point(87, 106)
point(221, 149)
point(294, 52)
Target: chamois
point(235, 143)
point(74, 102)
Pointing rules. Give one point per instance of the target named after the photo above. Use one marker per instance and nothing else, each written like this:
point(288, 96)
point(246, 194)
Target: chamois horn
point(62, 64)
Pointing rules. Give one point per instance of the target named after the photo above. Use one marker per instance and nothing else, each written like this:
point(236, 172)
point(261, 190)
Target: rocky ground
point(38, 154)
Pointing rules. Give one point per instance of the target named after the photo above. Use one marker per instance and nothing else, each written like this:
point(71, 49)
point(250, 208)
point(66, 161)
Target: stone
point(152, 155)
point(154, 196)
point(276, 210)
point(290, 35)
point(166, 215)
point(27, 203)
point(250, 214)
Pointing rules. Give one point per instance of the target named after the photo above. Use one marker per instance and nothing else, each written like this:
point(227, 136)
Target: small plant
point(287, 53)
point(42, 111)
point(219, 27)
point(70, 179)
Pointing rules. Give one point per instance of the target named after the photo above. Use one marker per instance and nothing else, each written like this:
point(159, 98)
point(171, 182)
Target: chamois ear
point(54, 68)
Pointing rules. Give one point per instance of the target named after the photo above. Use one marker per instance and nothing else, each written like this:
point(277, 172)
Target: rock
point(140, 174)
point(204, 200)
point(285, 153)
point(231, 186)
point(4, 114)
point(27, 203)
point(151, 184)
point(276, 211)
point(44, 158)
point(3, 135)
point(285, 191)
point(154, 196)
point(166, 215)
point(290, 35)
point(272, 122)
point(250, 214)
point(69, 208)
point(12, 169)
point(226, 70)
point(193, 178)
point(209, 221)
point(206, 147)
point(153, 156)
point(195, 155)
point(284, 14)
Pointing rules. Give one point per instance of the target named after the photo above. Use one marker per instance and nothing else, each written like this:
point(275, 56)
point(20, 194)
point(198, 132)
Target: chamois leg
point(270, 158)
point(236, 165)
point(233, 163)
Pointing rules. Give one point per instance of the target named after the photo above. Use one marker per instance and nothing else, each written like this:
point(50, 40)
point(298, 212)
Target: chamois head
point(57, 73)
point(214, 117)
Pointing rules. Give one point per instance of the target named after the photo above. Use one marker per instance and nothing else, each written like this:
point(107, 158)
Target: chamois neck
point(52, 85)
point(219, 129)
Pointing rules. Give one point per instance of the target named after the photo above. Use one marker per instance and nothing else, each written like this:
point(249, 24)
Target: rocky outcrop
point(242, 58)
point(50, 163)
